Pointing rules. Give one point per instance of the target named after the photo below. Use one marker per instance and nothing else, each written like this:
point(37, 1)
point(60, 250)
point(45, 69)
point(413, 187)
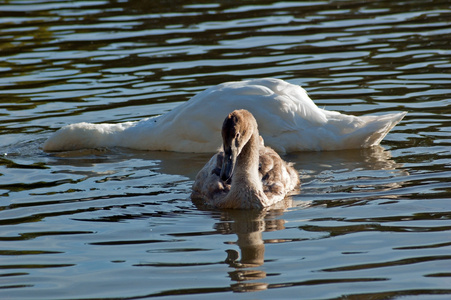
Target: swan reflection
point(249, 226)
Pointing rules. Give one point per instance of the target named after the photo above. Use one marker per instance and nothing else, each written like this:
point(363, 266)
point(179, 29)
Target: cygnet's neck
point(246, 168)
point(246, 186)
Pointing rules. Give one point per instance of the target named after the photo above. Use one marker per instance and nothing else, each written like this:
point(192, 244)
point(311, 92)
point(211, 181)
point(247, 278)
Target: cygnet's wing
point(208, 186)
point(278, 177)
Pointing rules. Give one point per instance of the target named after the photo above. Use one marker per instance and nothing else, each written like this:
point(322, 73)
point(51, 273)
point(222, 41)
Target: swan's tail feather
point(351, 132)
point(385, 124)
point(371, 131)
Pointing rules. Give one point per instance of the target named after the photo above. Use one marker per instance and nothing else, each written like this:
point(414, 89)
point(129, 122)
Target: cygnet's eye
point(237, 141)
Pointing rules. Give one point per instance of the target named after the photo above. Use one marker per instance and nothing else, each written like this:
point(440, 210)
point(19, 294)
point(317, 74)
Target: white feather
point(288, 121)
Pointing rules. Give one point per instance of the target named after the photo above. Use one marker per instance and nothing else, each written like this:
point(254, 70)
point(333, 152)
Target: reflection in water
point(351, 175)
point(249, 225)
point(374, 158)
point(188, 164)
point(165, 162)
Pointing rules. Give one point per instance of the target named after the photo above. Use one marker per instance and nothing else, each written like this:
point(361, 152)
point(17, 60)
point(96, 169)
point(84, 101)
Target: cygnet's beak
point(228, 164)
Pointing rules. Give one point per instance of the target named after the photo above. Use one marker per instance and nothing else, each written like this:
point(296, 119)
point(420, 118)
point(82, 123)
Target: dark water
point(118, 224)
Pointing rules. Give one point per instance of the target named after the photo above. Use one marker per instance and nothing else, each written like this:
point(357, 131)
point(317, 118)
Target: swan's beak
point(228, 164)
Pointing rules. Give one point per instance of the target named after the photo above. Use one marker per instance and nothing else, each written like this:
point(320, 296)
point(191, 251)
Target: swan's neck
point(246, 187)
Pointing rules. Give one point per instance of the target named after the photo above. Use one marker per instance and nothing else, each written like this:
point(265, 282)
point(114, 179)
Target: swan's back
point(288, 121)
point(278, 107)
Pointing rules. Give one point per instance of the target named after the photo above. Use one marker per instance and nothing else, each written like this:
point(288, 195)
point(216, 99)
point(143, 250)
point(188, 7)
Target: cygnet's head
point(237, 129)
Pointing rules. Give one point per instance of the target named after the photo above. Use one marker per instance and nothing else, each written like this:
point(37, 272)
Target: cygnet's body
point(246, 174)
point(289, 121)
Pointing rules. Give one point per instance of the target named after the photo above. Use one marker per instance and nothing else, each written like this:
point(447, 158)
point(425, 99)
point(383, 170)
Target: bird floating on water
point(245, 174)
point(289, 121)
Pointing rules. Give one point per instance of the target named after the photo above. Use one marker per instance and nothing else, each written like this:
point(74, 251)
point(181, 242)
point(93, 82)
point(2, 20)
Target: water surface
point(118, 224)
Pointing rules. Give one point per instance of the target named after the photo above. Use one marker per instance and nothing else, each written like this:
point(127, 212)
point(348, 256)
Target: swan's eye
point(237, 135)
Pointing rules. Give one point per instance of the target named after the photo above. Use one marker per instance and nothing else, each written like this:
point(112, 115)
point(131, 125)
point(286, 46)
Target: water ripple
point(368, 223)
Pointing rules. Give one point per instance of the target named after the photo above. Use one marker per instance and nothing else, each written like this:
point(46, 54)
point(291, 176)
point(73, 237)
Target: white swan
point(288, 119)
point(246, 174)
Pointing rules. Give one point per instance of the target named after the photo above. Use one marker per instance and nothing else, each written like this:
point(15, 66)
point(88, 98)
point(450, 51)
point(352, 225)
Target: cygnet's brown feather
point(278, 176)
point(253, 183)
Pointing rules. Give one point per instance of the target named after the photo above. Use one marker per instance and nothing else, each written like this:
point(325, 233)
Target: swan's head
point(237, 130)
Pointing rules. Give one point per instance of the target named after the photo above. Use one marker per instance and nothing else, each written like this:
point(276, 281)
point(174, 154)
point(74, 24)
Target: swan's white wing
point(288, 121)
point(278, 107)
